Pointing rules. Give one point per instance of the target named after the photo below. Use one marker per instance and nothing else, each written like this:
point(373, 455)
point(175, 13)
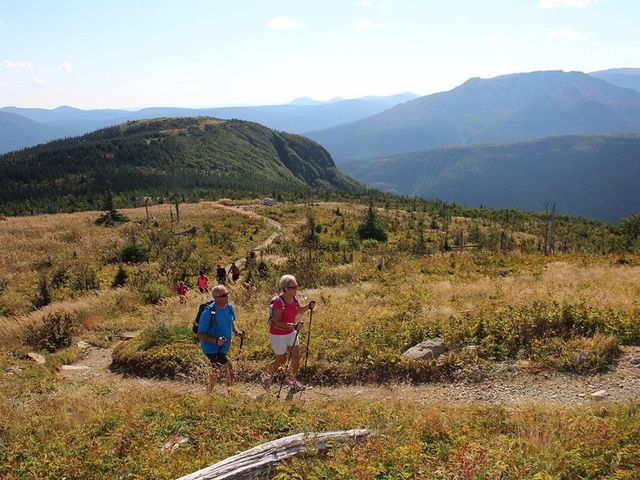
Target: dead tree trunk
point(256, 460)
point(551, 220)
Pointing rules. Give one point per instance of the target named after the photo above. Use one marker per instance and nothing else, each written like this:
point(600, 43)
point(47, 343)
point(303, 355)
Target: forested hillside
point(594, 176)
point(184, 158)
point(502, 109)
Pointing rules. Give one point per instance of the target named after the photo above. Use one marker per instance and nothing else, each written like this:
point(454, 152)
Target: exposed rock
point(36, 357)
point(635, 362)
point(427, 350)
point(599, 395)
point(172, 445)
point(129, 335)
point(84, 345)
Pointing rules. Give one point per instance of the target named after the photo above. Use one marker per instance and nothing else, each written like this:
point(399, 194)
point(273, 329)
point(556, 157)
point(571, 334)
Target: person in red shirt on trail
point(183, 290)
point(283, 332)
point(203, 283)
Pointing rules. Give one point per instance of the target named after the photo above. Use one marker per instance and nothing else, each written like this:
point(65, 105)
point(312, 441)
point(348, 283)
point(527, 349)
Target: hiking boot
point(295, 385)
point(266, 381)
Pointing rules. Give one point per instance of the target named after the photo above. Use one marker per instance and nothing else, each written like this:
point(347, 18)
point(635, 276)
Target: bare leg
point(295, 362)
point(279, 360)
point(213, 379)
point(231, 376)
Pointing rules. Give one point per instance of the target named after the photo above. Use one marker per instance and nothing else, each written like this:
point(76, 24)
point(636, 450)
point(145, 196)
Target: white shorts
point(279, 343)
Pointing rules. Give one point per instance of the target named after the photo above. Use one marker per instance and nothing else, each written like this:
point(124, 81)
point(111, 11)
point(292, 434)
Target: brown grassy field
point(369, 311)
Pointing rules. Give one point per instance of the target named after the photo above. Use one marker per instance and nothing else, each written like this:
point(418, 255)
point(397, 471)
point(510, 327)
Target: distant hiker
point(183, 291)
point(235, 272)
point(216, 324)
point(203, 283)
point(283, 332)
point(221, 274)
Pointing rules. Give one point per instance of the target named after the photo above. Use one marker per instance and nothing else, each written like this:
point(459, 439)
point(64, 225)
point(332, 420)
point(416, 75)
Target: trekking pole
point(286, 367)
point(306, 355)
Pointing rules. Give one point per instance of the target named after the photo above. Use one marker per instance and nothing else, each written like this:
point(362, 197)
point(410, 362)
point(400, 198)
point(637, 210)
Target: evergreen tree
point(370, 227)
point(44, 295)
point(110, 216)
point(120, 278)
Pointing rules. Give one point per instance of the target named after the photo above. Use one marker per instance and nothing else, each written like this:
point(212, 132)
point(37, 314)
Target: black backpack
point(212, 322)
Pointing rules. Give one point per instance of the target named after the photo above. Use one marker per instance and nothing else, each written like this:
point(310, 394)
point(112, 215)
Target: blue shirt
point(223, 327)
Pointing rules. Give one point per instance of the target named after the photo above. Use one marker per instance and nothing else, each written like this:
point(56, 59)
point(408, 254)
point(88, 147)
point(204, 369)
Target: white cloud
point(566, 34)
point(363, 3)
point(362, 24)
point(564, 3)
point(38, 82)
point(65, 67)
point(17, 64)
point(283, 23)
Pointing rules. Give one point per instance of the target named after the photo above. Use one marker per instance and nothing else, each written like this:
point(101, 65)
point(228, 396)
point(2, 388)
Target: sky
point(205, 53)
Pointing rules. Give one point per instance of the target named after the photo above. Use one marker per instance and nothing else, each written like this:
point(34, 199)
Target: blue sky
point(137, 53)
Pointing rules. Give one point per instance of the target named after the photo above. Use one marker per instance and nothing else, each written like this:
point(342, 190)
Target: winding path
point(507, 384)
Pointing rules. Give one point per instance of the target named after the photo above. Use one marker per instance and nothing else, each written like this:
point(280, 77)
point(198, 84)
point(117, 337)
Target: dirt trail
point(506, 384)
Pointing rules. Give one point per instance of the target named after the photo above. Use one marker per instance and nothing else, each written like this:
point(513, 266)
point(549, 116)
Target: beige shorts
point(280, 343)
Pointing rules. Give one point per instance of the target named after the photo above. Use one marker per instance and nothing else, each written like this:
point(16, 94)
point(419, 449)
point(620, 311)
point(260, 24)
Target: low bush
point(54, 332)
point(154, 292)
point(160, 351)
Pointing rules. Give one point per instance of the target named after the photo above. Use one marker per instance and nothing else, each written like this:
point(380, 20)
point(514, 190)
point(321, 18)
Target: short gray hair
point(285, 280)
point(218, 290)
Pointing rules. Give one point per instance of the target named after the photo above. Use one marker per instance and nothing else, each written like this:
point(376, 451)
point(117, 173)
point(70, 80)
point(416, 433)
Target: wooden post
point(177, 212)
point(146, 208)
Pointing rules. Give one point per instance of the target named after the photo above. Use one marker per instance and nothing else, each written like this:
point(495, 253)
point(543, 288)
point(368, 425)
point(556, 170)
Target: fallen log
point(258, 459)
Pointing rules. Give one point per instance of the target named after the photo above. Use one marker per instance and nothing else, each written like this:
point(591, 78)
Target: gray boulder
point(427, 350)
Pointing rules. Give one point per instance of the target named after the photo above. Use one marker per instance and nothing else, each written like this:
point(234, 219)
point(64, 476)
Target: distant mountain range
point(506, 108)
point(190, 158)
point(595, 176)
point(37, 125)
point(622, 77)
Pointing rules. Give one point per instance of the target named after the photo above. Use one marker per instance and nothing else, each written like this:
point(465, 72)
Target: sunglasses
point(292, 287)
point(224, 295)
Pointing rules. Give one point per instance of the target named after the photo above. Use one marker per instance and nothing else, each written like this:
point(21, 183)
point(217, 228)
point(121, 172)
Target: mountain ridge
point(506, 108)
point(66, 121)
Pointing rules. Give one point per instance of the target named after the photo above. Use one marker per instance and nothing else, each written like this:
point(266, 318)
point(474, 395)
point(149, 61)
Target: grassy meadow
point(572, 311)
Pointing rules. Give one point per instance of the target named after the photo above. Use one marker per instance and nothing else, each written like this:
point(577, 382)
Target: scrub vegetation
point(476, 278)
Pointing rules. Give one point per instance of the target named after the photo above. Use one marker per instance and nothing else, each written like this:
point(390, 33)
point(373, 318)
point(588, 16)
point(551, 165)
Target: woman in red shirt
point(283, 332)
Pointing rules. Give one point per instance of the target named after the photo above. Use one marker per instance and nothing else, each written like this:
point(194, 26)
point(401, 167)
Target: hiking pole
point(306, 355)
point(286, 367)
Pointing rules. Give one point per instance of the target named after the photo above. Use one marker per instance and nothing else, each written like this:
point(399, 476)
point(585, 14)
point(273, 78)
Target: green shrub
point(160, 351)
point(44, 295)
point(120, 278)
point(134, 254)
point(154, 292)
point(53, 333)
